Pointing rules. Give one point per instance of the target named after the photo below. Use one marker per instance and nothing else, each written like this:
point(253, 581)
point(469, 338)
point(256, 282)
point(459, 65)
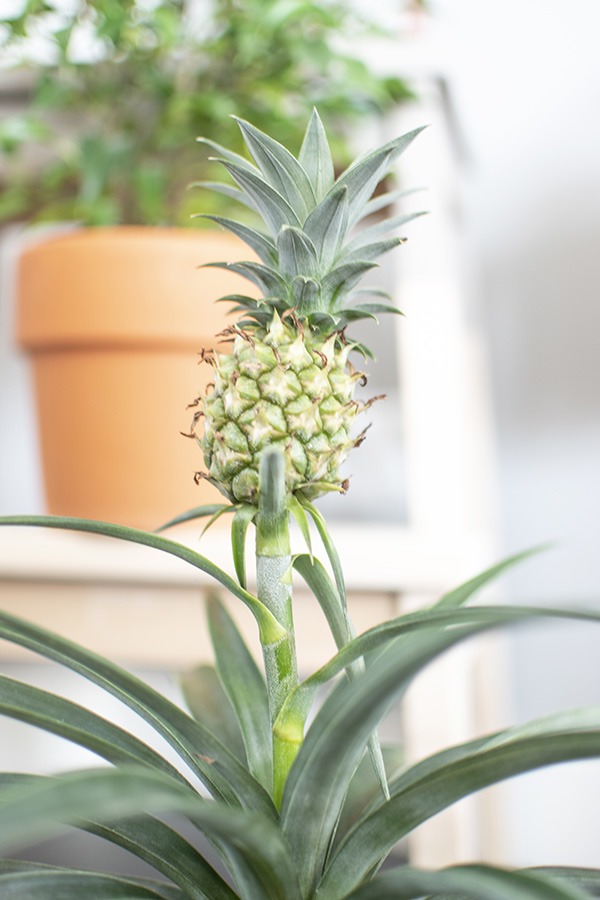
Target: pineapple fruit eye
point(298, 409)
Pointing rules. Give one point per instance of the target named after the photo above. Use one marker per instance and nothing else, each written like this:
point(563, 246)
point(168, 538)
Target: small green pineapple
point(287, 380)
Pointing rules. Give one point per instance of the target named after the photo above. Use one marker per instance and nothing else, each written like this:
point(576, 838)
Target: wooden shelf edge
point(374, 557)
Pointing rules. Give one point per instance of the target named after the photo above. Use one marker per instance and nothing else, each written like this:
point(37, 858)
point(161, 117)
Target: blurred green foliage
point(121, 88)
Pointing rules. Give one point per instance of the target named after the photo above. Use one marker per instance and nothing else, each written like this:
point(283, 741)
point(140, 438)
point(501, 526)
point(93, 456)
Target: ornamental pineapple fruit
point(287, 379)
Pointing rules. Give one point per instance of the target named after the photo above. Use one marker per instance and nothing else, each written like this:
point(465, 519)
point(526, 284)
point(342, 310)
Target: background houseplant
point(285, 820)
point(177, 69)
point(76, 154)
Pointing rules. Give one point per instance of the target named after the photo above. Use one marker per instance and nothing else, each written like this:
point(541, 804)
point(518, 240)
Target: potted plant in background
point(113, 93)
point(295, 811)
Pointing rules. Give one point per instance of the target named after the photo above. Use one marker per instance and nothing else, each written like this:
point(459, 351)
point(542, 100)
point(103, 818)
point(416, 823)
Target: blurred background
point(517, 88)
point(526, 85)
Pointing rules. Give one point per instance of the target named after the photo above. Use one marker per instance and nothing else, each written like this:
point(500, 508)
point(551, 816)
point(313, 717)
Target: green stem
point(274, 590)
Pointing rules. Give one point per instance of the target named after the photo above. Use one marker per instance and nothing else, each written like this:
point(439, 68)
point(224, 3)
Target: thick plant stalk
point(274, 590)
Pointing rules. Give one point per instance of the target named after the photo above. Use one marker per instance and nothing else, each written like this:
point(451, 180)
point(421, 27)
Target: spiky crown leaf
point(308, 260)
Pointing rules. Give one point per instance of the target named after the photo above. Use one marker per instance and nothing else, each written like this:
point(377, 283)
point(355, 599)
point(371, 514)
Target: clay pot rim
point(112, 283)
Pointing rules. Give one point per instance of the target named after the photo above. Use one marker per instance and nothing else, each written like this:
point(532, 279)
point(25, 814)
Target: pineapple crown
point(311, 256)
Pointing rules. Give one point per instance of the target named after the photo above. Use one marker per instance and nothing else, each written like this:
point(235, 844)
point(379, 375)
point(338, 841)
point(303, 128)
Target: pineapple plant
point(293, 809)
point(288, 381)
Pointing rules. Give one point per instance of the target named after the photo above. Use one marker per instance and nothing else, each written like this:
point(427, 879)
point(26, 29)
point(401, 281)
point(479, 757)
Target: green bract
point(293, 811)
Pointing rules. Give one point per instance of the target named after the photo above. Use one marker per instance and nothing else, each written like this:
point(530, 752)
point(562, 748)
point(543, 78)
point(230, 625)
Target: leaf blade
point(262, 245)
point(198, 512)
point(42, 884)
point(149, 839)
point(441, 780)
point(75, 723)
point(297, 254)
point(337, 737)
point(375, 232)
point(239, 528)
point(272, 206)
point(460, 595)
point(315, 156)
point(264, 277)
point(327, 225)
point(330, 548)
point(36, 810)
point(466, 882)
point(265, 620)
point(209, 704)
point(282, 170)
point(194, 743)
point(365, 173)
point(244, 685)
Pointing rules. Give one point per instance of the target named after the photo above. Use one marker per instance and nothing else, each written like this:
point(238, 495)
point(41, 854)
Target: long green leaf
point(271, 205)
point(154, 842)
point(316, 577)
point(264, 277)
point(333, 747)
point(370, 311)
point(341, 279)
point(464, 883)
point(305, 295)
point(282, 170)
point(315, 156)
point(205, 755)
point(239, 528)
point(358, 313)
point(245, 686)
point(330, 548)
point(327, 225)
point(34, 811)
point(246, 304)
point(362, 178)
point(226, 153)
point(79, 725)
point(373, 234)
point(393, 149)
point(168, 852)
point(364, 174)
point(209, 705)
point(262, 245)
point(297, 254)
point(342, 630)
point(214, 518)
point(364, 789)
point(268, 626)
point(460, 595)
point(371, 291)
point(299, 703)
point(337, 738)
point(441, 780)
point(47, 883)
point(374, 250)
point(389, 198)
point(588, 880)
point(198, 512)
point(301, 519)
point(228, 190)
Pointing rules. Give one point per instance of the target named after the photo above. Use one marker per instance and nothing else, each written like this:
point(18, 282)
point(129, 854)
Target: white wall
point(525, 80)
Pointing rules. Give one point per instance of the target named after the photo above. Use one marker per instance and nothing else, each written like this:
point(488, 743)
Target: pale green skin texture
point(281, 387)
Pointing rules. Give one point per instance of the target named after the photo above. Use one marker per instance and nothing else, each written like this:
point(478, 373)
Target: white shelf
point(374, 557)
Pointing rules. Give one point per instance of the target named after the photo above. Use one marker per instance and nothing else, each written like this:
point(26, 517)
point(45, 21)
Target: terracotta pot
point(114, 319)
